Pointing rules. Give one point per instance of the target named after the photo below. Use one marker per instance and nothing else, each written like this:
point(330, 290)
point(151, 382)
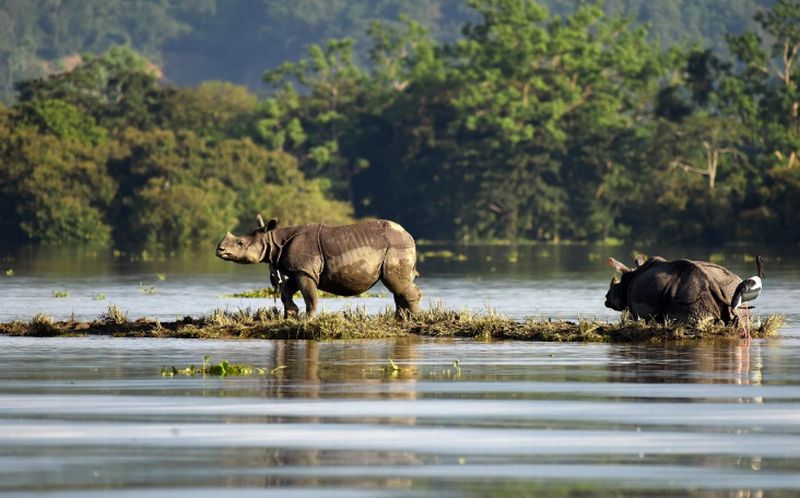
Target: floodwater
point(94, 417)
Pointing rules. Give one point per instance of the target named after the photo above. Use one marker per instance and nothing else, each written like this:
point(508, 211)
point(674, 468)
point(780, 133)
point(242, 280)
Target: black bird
point(749, 289)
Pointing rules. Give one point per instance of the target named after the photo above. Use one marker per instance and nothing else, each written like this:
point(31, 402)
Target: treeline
point(528, 126)
point(235, 40)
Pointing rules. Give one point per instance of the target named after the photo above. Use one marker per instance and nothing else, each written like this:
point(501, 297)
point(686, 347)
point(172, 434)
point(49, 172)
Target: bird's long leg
point(747, 323)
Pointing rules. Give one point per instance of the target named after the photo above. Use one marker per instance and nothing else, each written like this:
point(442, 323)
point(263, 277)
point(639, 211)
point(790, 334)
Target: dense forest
point(492, 120)
point(236, 40)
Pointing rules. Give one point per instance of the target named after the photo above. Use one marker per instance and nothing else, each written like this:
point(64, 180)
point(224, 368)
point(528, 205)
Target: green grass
point(267, 323)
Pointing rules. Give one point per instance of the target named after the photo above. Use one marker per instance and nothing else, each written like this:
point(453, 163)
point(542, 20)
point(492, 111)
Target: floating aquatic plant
point(443, 254)
point(221, 369)
point(9, 272)
point(60, 293)
point(149, 290)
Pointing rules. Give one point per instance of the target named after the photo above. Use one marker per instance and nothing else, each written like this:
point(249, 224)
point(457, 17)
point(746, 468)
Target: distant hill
point(236, 40)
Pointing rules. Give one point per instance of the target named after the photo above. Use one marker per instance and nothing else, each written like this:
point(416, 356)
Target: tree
point(56, 190)
point(323, 119)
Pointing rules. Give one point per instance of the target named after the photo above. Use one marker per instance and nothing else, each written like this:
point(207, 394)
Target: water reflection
point(709, 419)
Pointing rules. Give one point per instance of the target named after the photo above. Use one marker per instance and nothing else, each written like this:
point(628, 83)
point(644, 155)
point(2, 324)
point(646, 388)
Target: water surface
point(94, 417)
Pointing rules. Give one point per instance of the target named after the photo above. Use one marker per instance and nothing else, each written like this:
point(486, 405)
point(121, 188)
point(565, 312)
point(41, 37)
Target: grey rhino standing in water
point(344, 260)
point(683, 290)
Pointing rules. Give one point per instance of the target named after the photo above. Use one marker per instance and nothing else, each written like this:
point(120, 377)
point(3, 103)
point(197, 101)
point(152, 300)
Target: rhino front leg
point(288, 288)
point(308, 288)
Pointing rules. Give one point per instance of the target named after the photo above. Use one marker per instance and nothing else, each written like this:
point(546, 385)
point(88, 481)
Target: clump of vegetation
point(9, 272)
point(149, 290)
point(42, 325)
point(60, 293)
point(114, 315)
point(221, 369)
point(98, 296)
point(268, 323)
point(444, 254)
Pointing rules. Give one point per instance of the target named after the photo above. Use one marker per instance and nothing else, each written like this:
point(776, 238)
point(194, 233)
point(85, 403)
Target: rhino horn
point(620, 267)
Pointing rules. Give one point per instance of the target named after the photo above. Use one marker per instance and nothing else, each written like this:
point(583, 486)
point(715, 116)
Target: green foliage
point(192, 190)
point(87, 161)
point(215, 109)
point(55, 190)
point(530, 125)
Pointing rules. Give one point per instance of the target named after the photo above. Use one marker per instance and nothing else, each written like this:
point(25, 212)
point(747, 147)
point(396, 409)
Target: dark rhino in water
point(344, 260)
point(683, 290)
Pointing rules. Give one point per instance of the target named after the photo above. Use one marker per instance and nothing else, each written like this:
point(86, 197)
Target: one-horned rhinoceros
point(683, 290)
point(343, 260)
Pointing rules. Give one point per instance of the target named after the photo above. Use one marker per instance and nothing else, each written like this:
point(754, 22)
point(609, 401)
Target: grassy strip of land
point(267, 323)
point(269, 292)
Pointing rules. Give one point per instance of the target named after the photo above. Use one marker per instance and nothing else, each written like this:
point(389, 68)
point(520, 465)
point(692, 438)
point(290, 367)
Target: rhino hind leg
point(407, 302)
point(308, 288)
point(399, 271)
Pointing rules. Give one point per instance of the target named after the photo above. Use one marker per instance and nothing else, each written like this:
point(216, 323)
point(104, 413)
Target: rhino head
point(247, 249)
point(617, 295)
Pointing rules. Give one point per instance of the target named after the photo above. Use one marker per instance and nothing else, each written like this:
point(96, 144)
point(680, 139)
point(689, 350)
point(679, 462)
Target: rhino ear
point(640, 260)
point(272, 224)
point(614, 280)
point(613, 263)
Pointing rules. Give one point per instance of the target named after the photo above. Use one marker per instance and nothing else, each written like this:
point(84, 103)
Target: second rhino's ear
point(272, 224)
point(616, 265)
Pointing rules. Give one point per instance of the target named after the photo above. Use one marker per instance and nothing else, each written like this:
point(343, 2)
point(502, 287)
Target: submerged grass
point(268, 323)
